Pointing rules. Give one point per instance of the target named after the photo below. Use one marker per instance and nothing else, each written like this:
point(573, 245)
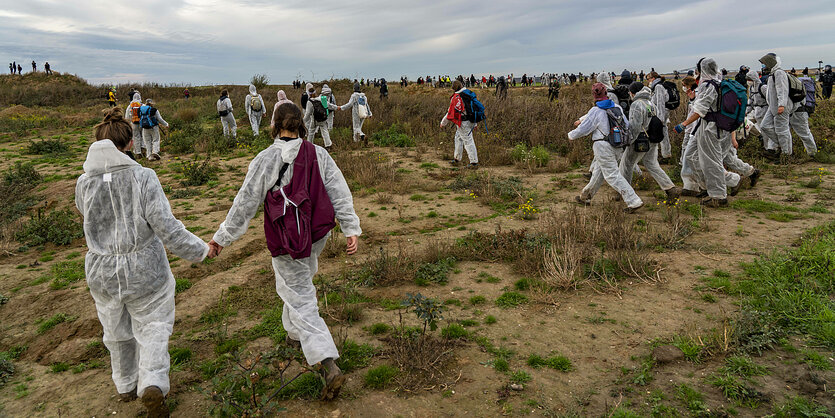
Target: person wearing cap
point(776, 125)
point(358, 99)
point(606, 156)
point(640, 113)
point(150, 121)
point(331, 100)
point(322, 126)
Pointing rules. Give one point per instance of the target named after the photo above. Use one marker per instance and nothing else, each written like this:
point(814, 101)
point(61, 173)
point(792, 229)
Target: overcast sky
point(227, 41)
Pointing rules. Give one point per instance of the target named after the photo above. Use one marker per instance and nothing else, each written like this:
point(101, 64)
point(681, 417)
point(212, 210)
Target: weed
point(454, 332)
point(198, 173)
point(47, 324)
point(691, 349)
point(47, 147)
point(379, 328)
point(394, 136)
point(692, 399)
point(560, 363)
point(798, 406)
point(643, 372)
point(816, 360)
point(380, 376)
point(511, 299)
point(6, 371)
point(743, 366)
point(181, 285)
point(59, 367)
point(736, 391)
point(58, 227)
point(437, 272)
point(179, 355)
point(501, 365)
point(468, 323)
point(65, 273)
point(490, 319)
point(520, 377)
point(477, 300)
point(522, 284)
point(354, 356)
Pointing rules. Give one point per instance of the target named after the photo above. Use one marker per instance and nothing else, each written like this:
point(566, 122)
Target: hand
point(780, 110)
point(353, 243)
point(214, 249)
point(576, 123)
point(679, 128)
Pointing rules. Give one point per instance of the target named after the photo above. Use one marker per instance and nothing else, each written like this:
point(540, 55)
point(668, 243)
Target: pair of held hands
point(352, 244)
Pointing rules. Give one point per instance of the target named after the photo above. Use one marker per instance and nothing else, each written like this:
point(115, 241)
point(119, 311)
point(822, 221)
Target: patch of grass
point(47, 324)
point(743, 366)
point(798, 406)
point(181, 285)
point(454, 332)
point(477, 300)
point(380, 376)
point(307, 386)
point(692, 350)
point(490, 319)
point(735, 390)
point(394, 136)
point(522, 284)
point(520, 377)
point(692, 399)
point(379, 328)
point(560, 363)
point(270, 326)
point(816, 360)
point(65, 273)
point(179, 355)
point(437, 272)
point(501, 365)
point(59, 367)
point(623, 412)
point(489, 278)
point(354, 356)
point(511, 299)
point(643, 372)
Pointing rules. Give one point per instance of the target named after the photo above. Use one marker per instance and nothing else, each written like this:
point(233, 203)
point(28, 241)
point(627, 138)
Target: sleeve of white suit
point(128, 116)
point(308, 114)
point(350, 102)
point(659, 98)
point(260, 178)
point(339, 194)
point(781, 83)
point(705, 99)
point(171, 231)
point(586, 127)
point(637, 118)
point(247, 101)
point(161, 120)
point(228, 104)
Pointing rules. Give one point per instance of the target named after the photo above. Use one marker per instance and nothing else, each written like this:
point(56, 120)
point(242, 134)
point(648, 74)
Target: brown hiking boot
point(714, 203)
point(296, 344)
point(128, 397)
point(754, 177)
point(633, 210)
point(673, 194)
point(155, 156)
point(334, 379)
point(582, 201)
point(154, 402)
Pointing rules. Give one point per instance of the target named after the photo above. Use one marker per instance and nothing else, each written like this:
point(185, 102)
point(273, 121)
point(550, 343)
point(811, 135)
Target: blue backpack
point(148, 117)
point(733, 99)
point(474, 108)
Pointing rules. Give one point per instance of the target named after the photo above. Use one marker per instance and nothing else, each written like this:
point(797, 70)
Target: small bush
point(394, 136)
point(65, 273)
point(47, 324)
point(197, 173)
point(454, 332)
point(47, 147)
point(6, 371)
point(59, 367)
point(501, 365)
point(490, 319)
point(379, 329)
point(477, 300)
point(181, 285)
point(520, 377)
point(259, 81)
point(522, 284)
point(511, 299)
point(58, 227)
point(380, 376)
point(437, 272)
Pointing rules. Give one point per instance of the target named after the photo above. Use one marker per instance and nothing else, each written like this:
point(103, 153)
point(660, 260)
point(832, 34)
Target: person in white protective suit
point(693, 185)
point(282, 98)
point(227, 119)
point(640, 113)
point(313, 125)
point(150, 136)
point(255, 109)
point(606, 79)
point(659, 99)
point(710, 141)
point(358, 115)
point(132, 115)
point(606, 156)
point(757, 104)
point(777, 122)
point(294, 277)
point(331, 100)
point(128, 224)
point(463, 139)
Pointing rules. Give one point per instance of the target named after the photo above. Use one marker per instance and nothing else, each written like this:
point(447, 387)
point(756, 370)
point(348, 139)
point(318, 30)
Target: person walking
point(255, 109)
point(47, 68)
point(316, 115)
point(827, 79)
point(282, 98)
point(360, 111)
point(290, 168)
point(227, 119)
point(34, 67)
point(660, 96)
point(128, 225)
point(111, 96)
point(132, 115)
point(457, 114)
point(150, 119)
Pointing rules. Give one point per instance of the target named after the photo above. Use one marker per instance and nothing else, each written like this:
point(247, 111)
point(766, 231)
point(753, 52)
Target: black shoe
point(473, 166)
point(580, 200)
point(587, 176)
point(689, 193)
point(714, 203)
point(454, 163)
point(673, 194)
point(754, 177)
point(633, 210)
point(364, 140)
point(735, 189)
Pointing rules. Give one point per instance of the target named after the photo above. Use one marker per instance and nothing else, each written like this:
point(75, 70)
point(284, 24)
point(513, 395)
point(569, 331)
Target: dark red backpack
point(300, 213)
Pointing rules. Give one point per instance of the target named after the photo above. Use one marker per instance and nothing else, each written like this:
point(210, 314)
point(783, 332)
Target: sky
point(201, 42)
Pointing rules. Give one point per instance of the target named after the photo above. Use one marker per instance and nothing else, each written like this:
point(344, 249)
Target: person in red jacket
point(464, 131)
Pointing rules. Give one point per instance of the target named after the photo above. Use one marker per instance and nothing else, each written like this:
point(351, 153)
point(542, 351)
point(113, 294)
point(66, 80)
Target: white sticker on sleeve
point(107, 177)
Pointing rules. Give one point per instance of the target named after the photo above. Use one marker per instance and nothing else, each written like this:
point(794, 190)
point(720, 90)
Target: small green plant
point(477, 300)
point(47, 147)
point(560, 363)
point(59, 227)
point(511, 299)
point(179, 355)
point(743, 366)
point(47, 324)
point(429, 311)
point(490, 319)
point(65, 273)
point(735, 390)
point(643, 372)
point(380, 376)
point(816, 360)
point(692, 399)
point(6, 371)
point(394, 136)
point(798, 406)
point(520, 377)
point(454, 332)
point(181, 285)
point(522, 284)
point(437, 272)
point(501, 365)
point(353, 356)
point(379, 329)
point(537, 156)
point(198, 173)
point(692, 350)
point(59, 367)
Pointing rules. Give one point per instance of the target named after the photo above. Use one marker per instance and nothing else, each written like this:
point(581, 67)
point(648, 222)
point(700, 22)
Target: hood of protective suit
point(326, 90)
point(752, 76)
point(606, 79)
point(771, 61)
point(308, 86)
point(137, 97)
point(708, 70)
point(252, 90)
point(644, 94)
point(104, 157)
point(282, 98)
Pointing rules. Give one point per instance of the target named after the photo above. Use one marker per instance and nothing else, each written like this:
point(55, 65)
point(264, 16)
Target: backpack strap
point(281, 172)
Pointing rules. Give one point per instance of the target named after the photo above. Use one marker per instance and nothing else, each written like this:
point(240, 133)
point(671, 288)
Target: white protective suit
point(356, 119)
point(313, 125)
point(463, 138)
point(775, 127)
point(690, 157)
point(128, 224)
point(659, 100)
point(640, 113)
point(137, 128)
point(799, 123)
point(150, 137)
point(711, 142)
point(254, 115)
point(757, 104)
point(605, 79)
point(293, 278)
point(230, 127)
point(282, 98)
point(606, 157)
point(331, 100)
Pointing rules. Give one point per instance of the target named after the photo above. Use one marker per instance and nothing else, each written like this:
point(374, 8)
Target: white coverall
point(313, 125)
point(128, 224)
point(254, 115)
point(230, 127)
point(606, 157)
point(293, 278)
point(282, 99)
point(776, 128)
point(659, 100)
point(353, 103)
point(463, 137)
point(640, 113)
point(150, 137)
point(137, 128)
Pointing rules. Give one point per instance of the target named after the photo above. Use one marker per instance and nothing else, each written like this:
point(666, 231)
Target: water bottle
point(616, 137)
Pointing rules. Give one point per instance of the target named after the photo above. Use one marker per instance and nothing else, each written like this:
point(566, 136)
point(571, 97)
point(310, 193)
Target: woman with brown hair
point(128, 224)
point(303, 191)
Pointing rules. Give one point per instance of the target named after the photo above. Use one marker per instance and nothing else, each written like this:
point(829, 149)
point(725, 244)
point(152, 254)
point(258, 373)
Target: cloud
point(212, 41)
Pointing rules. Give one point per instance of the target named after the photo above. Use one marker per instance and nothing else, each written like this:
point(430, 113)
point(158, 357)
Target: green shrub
point(59, 367)
point(743, 366)
point(394, 136)
point(58, 227)
point(437, 272)
point(520, 377)
point(522, 284)
point(511, 299)
point(181, 285)
point(501, 365)
point(47, 147)
point(354, 356)
point(490, 319)
point(380, 376)
point(379, 328)
point(454, 332)
point(198, 173)
point(477, 300)
point(560, 363)
point(65, 273)
point(260, 81)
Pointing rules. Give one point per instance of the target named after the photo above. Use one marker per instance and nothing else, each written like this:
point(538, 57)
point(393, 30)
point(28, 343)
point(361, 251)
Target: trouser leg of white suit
point(650, 160)
point(666, 147)
point(606, 168)
point(137, 138)
point(734, 163)
point(311, 132)
point(775, 129)
point(357, 121)
point(136, 333)
point(326, 135)
point(710, 145)
point(294, 284)
point(255, 121)
point(150, 139)
point(464, 139)
point(799, 122)
point(689, 166)
point(230, 127)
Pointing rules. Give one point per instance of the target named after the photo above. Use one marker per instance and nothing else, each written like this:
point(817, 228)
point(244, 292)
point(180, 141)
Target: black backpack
point(320, 113)
point(618, 135)
point(674, 100)
point(622, 93)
